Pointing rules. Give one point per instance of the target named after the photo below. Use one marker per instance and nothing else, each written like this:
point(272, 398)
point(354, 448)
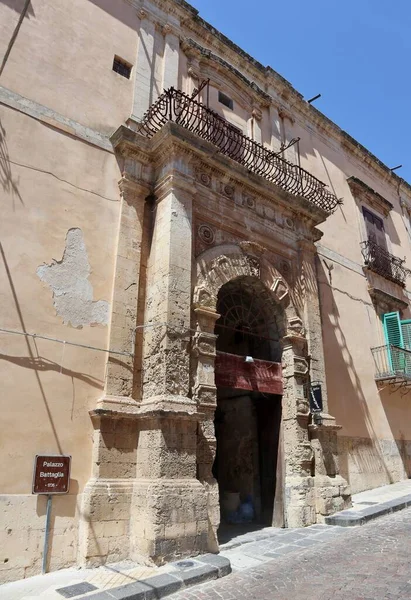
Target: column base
point(104, 523)
point(299, 501)
point(169, 520)
point(332, 494)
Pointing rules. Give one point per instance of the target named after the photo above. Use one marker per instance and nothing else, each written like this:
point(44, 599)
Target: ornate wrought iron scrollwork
point(382, 262)
point(173, 105)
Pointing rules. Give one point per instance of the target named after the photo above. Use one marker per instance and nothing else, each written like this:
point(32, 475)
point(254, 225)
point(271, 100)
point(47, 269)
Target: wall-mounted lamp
point(317, 419)
point(249, 359)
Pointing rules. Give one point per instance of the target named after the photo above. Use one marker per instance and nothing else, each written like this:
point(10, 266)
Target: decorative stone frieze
point(206, 234)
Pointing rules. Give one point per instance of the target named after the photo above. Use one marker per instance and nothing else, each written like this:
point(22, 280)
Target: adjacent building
point(189, 248)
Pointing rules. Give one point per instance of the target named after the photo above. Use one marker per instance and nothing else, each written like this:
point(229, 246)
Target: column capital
point(131, 187)
point(307, 246)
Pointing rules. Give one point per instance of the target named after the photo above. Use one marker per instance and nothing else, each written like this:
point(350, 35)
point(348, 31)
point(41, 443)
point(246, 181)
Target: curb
point(351, 517)
point(183, 574)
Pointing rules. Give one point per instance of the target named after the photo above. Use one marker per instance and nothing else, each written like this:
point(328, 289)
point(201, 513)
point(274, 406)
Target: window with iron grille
point(223, 99)
point(122, 67)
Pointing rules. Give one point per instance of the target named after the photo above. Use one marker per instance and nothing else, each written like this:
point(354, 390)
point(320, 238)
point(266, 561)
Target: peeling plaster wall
point(72, 292)
point(49, 182)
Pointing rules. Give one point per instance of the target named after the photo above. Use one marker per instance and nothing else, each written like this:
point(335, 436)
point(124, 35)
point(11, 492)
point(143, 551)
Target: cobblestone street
point(365, 563)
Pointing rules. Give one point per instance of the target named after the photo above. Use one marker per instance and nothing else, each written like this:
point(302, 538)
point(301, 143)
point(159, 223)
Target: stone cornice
point(195, 48)
point(287, 94)
point(174, 138)
point(365, 193)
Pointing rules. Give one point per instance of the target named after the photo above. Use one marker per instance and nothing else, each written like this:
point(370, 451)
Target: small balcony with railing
point(380, 261)
point(177, 107)
point(392, 364)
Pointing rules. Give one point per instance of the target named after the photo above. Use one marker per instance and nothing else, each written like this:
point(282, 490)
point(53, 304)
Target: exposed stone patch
point(72, 292)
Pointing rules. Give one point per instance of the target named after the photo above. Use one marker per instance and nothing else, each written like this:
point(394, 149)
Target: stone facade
point(129, 240)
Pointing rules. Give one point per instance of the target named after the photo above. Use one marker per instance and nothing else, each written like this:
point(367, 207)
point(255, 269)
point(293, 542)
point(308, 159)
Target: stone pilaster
point(104, 525)
point(143, 87)
point(332, 492)
point(170, 58)
point(119, 380)
point(299, 500)
point(169, 511)
point(312, 316)
point(205, 393)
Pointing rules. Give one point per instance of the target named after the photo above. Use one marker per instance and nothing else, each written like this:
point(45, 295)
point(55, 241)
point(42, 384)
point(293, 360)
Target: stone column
point(275, 128)
point(143, 78)
point(107, 495)
point(205, 393)
point(257, 116)
point(170, 58)
point(331, 490)
point(169, 514)
point(299, 501)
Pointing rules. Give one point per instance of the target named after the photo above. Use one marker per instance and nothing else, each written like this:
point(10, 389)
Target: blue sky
point(356, 53)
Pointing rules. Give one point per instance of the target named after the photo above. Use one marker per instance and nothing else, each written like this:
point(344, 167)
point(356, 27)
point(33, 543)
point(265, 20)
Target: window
point(375, 228)
point(398, 334)
point(223, 99)
point(122, 67)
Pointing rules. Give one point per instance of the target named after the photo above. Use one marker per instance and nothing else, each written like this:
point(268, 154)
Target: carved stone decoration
point(142, 14)
point(192, 72)
point(300, 366)
point(249, 201)
point(280, 289)
point(203, 344)
point(206, 234)
point(203, 298)
point(285, 267)
point(228, 190)
point(254, 264)
point(257, 113)
point(205, 179)
point(289, 222)
point(295, 326)
point(252, 248)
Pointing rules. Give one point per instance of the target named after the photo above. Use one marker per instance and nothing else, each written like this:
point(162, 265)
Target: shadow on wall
point(9, 184)
point(396, 403)
point(345, 394)
point(18, 6)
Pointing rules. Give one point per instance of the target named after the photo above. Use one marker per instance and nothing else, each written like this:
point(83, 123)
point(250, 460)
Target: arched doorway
point(248, 414)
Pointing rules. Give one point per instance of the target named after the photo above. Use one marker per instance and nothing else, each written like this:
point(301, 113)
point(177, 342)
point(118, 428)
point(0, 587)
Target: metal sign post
point(51, 476)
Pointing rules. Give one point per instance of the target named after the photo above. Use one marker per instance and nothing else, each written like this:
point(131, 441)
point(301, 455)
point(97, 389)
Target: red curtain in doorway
point(259, 376)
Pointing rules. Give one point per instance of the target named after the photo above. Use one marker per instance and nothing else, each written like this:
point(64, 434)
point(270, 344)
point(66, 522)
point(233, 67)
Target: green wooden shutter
point(406, 335)
point(393, 336)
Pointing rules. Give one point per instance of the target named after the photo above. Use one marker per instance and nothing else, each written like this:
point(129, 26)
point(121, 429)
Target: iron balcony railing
point(173, 105)
point(391, 362)
point(382, 262)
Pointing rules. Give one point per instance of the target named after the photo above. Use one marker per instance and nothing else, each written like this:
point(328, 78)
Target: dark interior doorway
point(247, 422)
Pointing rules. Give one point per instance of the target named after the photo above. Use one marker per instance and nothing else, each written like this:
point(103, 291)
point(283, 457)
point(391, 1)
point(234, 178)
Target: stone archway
point(214, 268)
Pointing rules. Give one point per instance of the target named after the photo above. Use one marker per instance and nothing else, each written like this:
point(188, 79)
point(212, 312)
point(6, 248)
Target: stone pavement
point(246, 552)
point(373, 503)
point(372, 562)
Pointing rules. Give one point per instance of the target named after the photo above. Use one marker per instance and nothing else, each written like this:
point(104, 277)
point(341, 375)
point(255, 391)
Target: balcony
point(173, 105)
point(380, 261)
point(392, 364)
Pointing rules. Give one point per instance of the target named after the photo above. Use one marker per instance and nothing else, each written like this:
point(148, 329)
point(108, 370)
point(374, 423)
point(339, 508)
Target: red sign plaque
point(51, 474)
